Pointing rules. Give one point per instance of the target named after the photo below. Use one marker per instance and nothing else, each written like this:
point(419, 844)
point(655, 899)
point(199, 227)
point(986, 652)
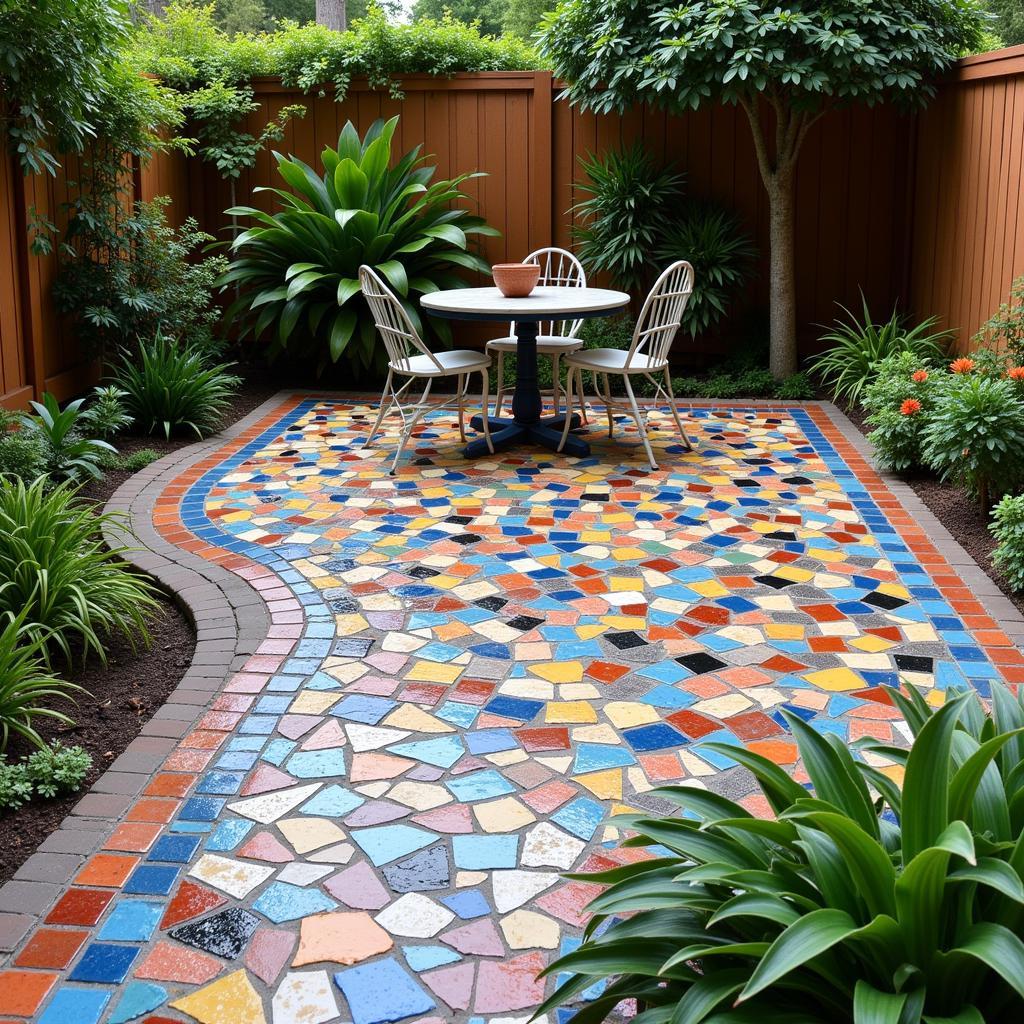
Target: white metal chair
point(647, 355)
point(555, 338)
point(409, 357)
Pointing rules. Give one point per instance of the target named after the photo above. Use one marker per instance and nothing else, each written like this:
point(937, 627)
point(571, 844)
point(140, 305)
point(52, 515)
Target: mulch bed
point(122, 694)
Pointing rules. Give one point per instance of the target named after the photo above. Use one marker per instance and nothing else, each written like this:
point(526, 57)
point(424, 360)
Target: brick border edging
point(231, 620)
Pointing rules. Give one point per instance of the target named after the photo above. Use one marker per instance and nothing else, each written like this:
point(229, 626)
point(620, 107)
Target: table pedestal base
point(546, 432)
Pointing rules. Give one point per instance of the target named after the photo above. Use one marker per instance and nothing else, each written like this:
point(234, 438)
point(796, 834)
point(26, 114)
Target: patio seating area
point(469, 664)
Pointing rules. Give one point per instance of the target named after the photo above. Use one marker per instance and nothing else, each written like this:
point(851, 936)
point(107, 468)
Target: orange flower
point(910, 406)
point(920, 376)
point(962, 365)
point(1015, 373)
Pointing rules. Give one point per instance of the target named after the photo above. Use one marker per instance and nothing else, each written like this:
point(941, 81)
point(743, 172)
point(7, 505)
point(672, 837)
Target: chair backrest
point(561, 269)
point(662, 313)
point(401, 339)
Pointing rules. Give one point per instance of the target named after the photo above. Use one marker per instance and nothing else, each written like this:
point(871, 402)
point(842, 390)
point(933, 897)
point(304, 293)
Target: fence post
point(27, 189)
point(541, 202)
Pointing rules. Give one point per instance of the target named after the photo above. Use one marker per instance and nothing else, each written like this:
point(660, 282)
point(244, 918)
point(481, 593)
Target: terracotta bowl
point(516, 280)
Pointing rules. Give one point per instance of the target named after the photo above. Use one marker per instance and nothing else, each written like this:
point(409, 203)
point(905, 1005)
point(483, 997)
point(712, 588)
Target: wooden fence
point(915, 212)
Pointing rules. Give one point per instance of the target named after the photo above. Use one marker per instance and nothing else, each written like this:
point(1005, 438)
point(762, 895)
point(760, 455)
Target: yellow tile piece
point(605, 785)
point(505, 815)
point(313, 702)
point(629, 554)
point(792, 572)
point(624, 621)
point(434, 672)
point(559, 671)
point(709, 588)
point(349, 625)
point(623, 714)
point(826, 555)
point(408, 716)
point(836, 679)
point(784, 631)
point(229, 998)
point(625, 583)
point(871, 643)
point(589, 632)
point(602, 733)
point(573, 711)
point(307, 834)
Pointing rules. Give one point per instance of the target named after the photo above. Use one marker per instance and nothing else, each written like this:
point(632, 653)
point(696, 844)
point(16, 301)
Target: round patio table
point(546, 303)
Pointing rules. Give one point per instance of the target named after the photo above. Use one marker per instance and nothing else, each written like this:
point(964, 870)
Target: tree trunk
point(156, 7)
point(782, 284)
point(332, 13)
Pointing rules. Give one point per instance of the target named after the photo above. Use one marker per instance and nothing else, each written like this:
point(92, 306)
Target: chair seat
point(613, 360)
point(547, 344)
point(454, 362)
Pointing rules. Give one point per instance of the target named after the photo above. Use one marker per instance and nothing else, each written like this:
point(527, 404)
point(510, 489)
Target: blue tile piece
point(229, 834)
point(467, 904)
point(277, 751)
point(332, 802)
point(580, 817)
point(483, 785)
point(151, 880)
point(515, 707)
point(483, 853)
point(138, 997)
point(490, 741)
point(132, 921)
point(386, 843)
point(174, 849)
point(224, 783)
point(382, 992)
point(202, 808)
point(592, 757)
point(317, 764)
point(442, 752)
point(425, 958)
point(657, 736)
point(104, 963)
point(81, 1005)
point(364, 709)
point(283, 902)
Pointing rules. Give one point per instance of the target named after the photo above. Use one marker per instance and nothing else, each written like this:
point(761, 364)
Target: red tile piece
point(190, 901)
point(21, 992)
point(80, 907)
point(51, 947)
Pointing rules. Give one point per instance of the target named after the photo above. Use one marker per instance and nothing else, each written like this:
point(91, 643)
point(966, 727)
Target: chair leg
point(463, 381)
point(384, 407)
point(555, 382)
point(608, 402)
point(499, 395)
point(675, 411)
point(639, 421)
point(582, 396)
point(568, 412)
point(485, 405)
point(420, 409)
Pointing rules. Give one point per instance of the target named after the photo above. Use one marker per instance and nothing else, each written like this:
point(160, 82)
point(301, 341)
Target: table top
point(543, 303)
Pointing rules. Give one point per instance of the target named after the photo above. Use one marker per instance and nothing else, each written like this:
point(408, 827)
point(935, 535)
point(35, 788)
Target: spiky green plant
point(861, 901)
point(298, 269)
point(69, 453)
point(57, 572)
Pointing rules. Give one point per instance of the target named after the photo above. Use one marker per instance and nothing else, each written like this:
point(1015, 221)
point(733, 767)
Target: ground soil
point(122, 694)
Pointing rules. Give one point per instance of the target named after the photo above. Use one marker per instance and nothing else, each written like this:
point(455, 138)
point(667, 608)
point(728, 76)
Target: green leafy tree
point(235, 16)
point(1008, 21)
point(785, 62)
point(522, 17)
point(54, 61)
point(489, 13)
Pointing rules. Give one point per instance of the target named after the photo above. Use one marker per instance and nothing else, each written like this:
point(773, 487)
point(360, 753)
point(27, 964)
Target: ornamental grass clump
point(59, 576)
point(861, 901)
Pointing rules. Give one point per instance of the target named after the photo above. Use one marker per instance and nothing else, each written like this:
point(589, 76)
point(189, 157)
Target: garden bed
point(122, 695)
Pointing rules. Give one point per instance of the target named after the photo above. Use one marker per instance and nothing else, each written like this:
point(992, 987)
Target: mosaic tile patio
point(470, 665)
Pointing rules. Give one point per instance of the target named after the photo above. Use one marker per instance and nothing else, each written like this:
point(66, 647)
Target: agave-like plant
point(857, 347)
point(298, 269)
point(861, 901)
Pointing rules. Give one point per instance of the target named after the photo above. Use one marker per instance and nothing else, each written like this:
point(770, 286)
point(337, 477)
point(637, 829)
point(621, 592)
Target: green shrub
point(857, 347)
point(68, 454)
point(712, 240)
point(900, 401)
point(608, 332)
point(1007, 527)
point(1004, 330)
point(630, 200)
point(170, 387)
point(57, 571)
point(298, 269)
point(26, 685)
point(687, 387)
point(48, 772)
point(132, 462)
point(975, 436)
point(860, 901)
point(21, 455)
point(105, 416)
point(796, 388)
point(757, 383)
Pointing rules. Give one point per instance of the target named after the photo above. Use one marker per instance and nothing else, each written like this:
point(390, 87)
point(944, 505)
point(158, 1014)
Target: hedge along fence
point(918, 212)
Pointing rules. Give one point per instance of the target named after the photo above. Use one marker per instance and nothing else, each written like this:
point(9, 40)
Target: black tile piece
point(422, 572)
point(595, 496)
point(914, 663)
point(492, 603)
point(422, 872)
point(625, 641)
point(225, 934)
point(460, 520)
point(781, 535)
point(798, 480)
point(700, 663)
point(351, 647)
point(775, 582)
point(886, 601)
point(525, 622)
point(465, 539)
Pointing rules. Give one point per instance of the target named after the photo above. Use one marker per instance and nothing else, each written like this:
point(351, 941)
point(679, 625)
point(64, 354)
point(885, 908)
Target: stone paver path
point(469, 666)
